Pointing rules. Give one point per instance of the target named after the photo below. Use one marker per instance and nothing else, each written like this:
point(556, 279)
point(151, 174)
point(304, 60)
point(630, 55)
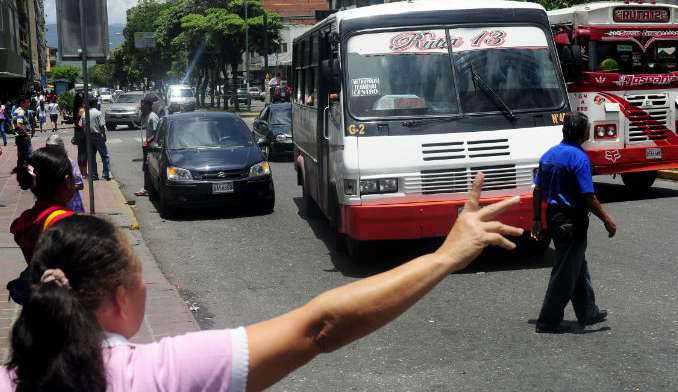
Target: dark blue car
point(207, 159)
point(274, 124)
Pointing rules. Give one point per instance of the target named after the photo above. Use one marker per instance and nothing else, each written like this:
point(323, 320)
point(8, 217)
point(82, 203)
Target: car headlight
point(178, 174)
point(381, 185)
point(260, 169)
point(281, 137)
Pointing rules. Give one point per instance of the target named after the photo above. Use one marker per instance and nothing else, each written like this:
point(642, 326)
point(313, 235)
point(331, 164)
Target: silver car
point(126, 109)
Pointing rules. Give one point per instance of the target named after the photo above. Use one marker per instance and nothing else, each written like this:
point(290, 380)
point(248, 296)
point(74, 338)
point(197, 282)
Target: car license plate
point(653, 153)
point(118, 115)
point(222, 187)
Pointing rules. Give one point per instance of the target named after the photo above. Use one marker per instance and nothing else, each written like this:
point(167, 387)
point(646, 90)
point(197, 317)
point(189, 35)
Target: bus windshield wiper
point(414, 123)
point(496, 98)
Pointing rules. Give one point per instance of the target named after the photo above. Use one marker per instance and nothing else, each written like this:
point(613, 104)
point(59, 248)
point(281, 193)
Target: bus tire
point(356, 250)
point(335, 222)
point(310, 208)
point(639, 182)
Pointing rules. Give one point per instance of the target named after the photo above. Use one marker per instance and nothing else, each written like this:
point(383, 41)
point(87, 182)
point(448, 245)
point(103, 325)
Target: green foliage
point(66, 72)
point(102, 75)
point(65, 100)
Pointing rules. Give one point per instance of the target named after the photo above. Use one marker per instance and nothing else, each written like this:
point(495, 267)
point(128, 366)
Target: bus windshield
point(627, 57)
point(410, 73)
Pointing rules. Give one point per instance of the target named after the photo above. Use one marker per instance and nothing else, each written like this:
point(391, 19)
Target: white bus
point(621, 64)
point(396, 107)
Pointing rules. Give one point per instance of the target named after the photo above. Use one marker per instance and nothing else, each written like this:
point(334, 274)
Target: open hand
point(475, 229)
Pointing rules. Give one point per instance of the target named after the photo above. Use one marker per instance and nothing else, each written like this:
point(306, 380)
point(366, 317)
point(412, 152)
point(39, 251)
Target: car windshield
point(203, 133)
point(254, 89)
point(629, 57)
point(281, 115)
point(409, 73)
point(129, 98)
point(182, 92)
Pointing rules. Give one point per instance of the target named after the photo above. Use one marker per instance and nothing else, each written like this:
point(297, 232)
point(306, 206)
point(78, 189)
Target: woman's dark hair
point(77, 104)
point(575, 126)
point(42, 105)
point(56, 341)
point(50, 166)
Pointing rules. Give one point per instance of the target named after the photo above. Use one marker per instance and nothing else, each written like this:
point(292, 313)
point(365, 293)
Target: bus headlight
point(381, 185)
point(281, 137)
point(600, 131)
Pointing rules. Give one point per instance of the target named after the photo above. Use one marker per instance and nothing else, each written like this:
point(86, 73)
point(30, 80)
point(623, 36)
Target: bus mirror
point(336, 75)
point(331, 74)
point(571, 61)
point(325, 71)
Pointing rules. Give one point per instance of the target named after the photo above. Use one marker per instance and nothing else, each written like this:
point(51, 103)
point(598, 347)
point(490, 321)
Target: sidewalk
point(166, 312)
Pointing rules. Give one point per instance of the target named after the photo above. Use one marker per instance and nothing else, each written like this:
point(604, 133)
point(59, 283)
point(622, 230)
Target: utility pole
point(88, 137)
point(247, 61)
point(266, 44)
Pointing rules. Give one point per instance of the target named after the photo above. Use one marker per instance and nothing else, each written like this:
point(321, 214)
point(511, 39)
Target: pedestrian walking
point(564, 182)
point(22, 136)
point(75, 203)
point(149, 121)
point(48, 174)
point(97, 133)
point(3, 123)
point(53, 113)
point(88, 298)
point(79, 137)
point(99, 101)
point(42, 116)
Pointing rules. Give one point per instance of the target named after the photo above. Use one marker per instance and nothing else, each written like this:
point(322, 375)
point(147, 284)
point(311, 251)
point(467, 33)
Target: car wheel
point(111, 127)
point(131, 126)
point(164, 208)
point(152, 193)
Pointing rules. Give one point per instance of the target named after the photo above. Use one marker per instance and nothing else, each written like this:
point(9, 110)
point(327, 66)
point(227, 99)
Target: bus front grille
point(647, 124)
point(460, 150)
point(460, 180)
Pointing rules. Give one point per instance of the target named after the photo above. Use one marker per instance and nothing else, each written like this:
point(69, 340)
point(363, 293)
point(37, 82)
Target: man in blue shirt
point(22, 137)
point(564, 182)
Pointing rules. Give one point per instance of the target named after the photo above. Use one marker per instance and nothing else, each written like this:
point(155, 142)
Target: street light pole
point(88, 137)
point(247, 61)
point(266, 44)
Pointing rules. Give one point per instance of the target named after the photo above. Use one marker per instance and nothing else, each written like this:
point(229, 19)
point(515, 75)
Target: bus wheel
point(639, 182)
point(356, 250)
point(310, 208)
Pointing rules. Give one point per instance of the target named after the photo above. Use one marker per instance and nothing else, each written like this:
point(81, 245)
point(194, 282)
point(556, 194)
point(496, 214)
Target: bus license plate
point(222, 187)
point(653, 153)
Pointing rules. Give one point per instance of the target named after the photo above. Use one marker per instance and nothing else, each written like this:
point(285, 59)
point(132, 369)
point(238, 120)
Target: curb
point(127, 210)
point(668, 175)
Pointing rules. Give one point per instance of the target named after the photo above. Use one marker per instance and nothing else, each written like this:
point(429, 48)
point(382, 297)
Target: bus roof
point(601, 13)
point(430, 5)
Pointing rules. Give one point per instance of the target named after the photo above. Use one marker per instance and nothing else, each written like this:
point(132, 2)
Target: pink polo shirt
point(206, 361)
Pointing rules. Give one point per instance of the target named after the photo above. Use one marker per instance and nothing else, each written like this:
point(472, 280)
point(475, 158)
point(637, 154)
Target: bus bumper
point(633, 159)
point(420, 220)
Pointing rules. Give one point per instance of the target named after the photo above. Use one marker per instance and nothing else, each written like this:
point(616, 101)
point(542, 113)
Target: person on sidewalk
point(564, 182)
point(22, 130)
point(75, 203)
point(79, 136)
point(49, 175)
point(42, 116)
point(53, 113)
point(149, 121)
point(3, 121)
point(97, 133)
point(89, 298)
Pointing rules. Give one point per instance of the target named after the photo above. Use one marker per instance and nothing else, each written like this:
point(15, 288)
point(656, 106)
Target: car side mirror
point(153, 147)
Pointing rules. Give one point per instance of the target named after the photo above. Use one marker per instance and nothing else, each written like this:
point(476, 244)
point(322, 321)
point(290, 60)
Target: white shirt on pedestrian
point(96, 121)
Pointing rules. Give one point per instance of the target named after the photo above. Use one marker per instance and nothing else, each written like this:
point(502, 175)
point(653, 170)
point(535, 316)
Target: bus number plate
point(653, 153)
point(222, 187)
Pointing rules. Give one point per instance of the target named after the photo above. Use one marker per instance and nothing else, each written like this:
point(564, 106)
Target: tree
point(102, 74)
point(66, 72)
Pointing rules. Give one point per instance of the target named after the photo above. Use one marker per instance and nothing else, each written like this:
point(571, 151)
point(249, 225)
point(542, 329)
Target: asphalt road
point(474, 332)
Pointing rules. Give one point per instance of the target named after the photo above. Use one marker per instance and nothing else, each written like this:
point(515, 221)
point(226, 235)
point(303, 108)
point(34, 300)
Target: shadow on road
point(206, 214)
point(385, 255)
point(615, 193)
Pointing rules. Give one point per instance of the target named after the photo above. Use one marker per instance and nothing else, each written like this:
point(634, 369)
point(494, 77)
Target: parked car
point(242, 96)
point(207, 159)
point(106, 94)
point(126, 109)
point(280, 94)
point(180, 96)
point(274, 125)
point(254, 93)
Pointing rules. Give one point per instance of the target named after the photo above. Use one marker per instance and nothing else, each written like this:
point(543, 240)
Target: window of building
point(2, 26)
point(284, 47)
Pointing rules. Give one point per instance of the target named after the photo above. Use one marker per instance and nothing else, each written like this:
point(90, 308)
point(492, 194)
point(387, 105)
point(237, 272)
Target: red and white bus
point(396, 107)
point(621, 64)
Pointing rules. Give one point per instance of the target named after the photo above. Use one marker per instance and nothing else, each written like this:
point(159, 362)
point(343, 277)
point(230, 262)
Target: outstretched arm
point(344, 314)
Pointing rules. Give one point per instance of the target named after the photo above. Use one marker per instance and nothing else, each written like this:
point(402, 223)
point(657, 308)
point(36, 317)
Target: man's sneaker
point(555, 328)
point(95, 178)
point(141, 193)
point(107, 178)
point(602, 315)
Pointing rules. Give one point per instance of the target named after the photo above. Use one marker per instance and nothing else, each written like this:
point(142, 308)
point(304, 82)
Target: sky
point(116, 10)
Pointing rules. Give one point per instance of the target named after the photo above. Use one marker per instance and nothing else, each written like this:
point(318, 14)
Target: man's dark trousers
point(24, 148)
point(570, 279)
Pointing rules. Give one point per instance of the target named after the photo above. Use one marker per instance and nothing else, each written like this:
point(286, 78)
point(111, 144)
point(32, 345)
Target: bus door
point(328, 125)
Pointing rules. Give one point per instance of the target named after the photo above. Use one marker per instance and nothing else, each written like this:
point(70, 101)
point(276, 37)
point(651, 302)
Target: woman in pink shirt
point(88, 298)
